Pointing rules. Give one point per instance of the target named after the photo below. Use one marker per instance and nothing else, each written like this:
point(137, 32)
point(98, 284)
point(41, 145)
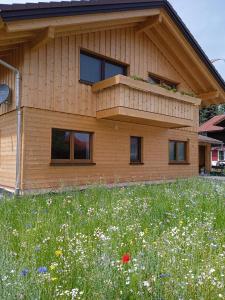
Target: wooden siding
point(8, 77)
point(8, 150)
point(51, 73)
point(121, 91)
point(111, 152)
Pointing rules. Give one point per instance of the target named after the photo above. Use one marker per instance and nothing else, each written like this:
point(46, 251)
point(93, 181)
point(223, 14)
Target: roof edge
point(90, 7)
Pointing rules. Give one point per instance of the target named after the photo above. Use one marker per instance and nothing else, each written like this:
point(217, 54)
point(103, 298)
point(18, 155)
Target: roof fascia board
point(36, 24)
point(38, 13)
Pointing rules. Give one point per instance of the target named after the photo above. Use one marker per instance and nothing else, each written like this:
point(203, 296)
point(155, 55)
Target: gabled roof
point(211, 125)
point(19, 12)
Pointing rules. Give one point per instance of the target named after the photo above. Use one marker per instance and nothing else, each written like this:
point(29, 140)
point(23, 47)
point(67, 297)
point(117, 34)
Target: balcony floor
point(141, 117)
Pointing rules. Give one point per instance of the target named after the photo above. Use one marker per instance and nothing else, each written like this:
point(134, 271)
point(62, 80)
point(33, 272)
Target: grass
point(172, 233)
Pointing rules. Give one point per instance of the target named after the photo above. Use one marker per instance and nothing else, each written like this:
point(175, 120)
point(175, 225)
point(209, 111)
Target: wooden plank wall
point(111, 145)
point(124, 96)
point(8, 150)
point(8, 77)
point(51, 73)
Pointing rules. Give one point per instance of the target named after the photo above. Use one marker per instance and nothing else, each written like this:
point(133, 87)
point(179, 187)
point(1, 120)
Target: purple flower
point(37, 248)
point(24, 272)
point(164, 275)
point(27, 226)
point(42, 270)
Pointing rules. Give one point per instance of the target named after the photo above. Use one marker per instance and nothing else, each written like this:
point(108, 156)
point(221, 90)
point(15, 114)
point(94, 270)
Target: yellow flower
point(146, 230)
point(52, 267)
point(54, 278)
point(58, 252)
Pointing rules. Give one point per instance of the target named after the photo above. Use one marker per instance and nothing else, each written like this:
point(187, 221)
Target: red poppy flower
point(126, 258)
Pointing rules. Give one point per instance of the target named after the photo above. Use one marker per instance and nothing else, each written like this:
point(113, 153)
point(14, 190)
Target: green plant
point(71, 245)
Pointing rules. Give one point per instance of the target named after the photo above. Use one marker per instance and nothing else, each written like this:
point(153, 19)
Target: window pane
point(181, 151)
point(113, 69)
point(90, 68)
point(60, 144)
point(172, 151)
point(153, 80)
point(135, 149)
point(221, 155)
point(82, 145)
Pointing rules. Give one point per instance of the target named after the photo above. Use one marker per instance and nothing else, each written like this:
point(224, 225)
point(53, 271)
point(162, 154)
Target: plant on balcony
point(164, 85)
point(191, 94)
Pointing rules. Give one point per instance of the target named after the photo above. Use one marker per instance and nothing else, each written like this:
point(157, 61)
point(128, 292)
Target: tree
point(209, 112)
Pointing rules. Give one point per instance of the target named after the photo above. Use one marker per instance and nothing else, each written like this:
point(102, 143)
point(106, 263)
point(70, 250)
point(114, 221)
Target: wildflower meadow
point(143, 242)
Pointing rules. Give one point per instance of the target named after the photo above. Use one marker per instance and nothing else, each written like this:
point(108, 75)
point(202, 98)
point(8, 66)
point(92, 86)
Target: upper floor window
point(71, 146)
point(95, 68)
point(177, 152)
point(135, 150)
point(154, 79)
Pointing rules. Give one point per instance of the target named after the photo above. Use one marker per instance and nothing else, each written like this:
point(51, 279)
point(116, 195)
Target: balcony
point(125, 99)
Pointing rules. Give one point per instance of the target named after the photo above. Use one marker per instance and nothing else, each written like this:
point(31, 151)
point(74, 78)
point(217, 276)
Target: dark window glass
point(135, 149)
point(221, 155)
point(82, 145)
point(154, 80)
point(162, 82)
point(172, 151)
point(60, 144)
point(94, 68)
point(113, 70)
point(180, 151)
point(177, 151)
point(90, 68)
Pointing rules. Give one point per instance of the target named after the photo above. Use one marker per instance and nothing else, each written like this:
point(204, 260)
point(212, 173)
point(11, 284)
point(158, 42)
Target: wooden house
point(215, 129)
point(101, 91)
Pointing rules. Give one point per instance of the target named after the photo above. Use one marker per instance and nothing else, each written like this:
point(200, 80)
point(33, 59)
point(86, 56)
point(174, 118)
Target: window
point(177, 152)
point(135, 150)
point(82, 145)
point(71, 146)
point(94, 68)
point(153, 79)
point(60, 144)
point(221, 155)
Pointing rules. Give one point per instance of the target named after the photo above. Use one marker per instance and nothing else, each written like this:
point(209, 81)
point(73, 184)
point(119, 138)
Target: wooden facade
point(114, 109)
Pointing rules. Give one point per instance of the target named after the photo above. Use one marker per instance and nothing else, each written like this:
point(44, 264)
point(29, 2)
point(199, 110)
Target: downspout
point(18, 134)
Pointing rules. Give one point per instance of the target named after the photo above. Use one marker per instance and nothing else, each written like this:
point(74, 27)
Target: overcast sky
point(204, 18)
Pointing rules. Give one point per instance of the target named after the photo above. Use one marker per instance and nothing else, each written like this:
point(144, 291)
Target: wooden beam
point(173, 59)
point(149, 23)
point(12, 42)
point(9, 47)
point(98, 26)
point(5, 53)
point(43, 38)
point(210, 95)
point(36, 24)
point(174, 30)
point(2, 24)
point(5, 36)
point(181, 55)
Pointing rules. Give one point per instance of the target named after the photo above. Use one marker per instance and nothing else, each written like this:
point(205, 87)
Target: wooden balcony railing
point(125, 99)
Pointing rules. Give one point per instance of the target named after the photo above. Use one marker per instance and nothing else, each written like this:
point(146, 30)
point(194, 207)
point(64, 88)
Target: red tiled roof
point(211, 125)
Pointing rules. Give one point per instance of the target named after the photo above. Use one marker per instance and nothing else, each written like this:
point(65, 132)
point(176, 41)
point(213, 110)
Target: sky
point(204, 18)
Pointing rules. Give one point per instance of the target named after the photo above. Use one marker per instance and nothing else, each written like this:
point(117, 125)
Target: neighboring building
point(107, 94)
point(206, 144)
point(215, 128)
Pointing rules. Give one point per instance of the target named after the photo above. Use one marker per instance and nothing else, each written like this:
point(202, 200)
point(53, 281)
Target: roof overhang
point(208, 140)
point(39, 23)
